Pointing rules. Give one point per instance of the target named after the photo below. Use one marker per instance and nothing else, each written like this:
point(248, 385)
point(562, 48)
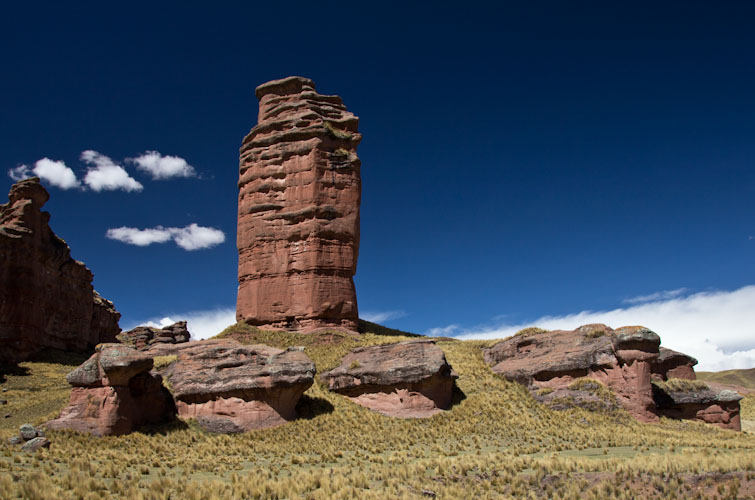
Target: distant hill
point(742, 378)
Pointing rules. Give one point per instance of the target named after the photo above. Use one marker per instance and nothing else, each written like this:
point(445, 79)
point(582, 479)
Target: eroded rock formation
point(142, 337)
point(599, 368)
point(46, 297)
point(407, 379)
point(673, 364)
point(552, 361)
point(698, 402)
point(298, 212)
point(114, 393)
point(229, 387)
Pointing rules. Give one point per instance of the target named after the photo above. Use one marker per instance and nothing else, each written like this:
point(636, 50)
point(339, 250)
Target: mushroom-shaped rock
point(683, 399)
point(231, 387)
point(552, 361)
point(114, 393)
point(673, 364)
point(409, 379)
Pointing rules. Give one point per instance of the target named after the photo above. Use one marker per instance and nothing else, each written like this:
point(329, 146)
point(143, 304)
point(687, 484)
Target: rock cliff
point(298, 211)
point(46, 297)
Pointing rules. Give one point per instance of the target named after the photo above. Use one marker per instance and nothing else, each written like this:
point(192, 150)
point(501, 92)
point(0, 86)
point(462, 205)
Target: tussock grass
point(495, 442)
point(682, 385)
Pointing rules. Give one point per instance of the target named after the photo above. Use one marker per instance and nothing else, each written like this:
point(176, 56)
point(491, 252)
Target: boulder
point(619, 360)
point(142, 337)
point(298, 211)
point(36, 443)
point(673, 364)
point(46, 297)
point(410, 379)
point(231, 387)
point(114, 393)
point(698, 402)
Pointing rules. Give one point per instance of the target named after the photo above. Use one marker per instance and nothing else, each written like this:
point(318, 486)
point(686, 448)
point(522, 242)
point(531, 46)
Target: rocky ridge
point(46, 297)
point(142, 337)
point(298, 211)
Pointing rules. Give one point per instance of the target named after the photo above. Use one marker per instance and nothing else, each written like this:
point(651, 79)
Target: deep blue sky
point(518, 160)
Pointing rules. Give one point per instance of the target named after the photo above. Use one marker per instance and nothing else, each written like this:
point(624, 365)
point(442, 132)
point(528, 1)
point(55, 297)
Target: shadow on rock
point(309, 407)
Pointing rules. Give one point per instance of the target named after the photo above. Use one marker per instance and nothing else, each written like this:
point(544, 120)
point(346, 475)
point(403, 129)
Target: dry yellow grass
point(496, 442)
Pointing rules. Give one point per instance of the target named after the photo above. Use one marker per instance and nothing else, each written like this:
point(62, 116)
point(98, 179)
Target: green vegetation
point(741, 378)
point(495, 442)
point(337, 132)
point(682, 385)
point(532, 330)
point(164, 361)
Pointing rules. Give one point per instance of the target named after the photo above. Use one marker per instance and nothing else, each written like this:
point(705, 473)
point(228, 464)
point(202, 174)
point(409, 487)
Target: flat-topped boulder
point(407, 379)
point(114, 393)
point(46, 297)
point(695, 400)
point(142, 337)
point(232, 387)
point(552, 361)
point(673, 364)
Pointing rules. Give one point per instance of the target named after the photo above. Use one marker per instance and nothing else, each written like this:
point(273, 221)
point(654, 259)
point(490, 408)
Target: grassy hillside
point(742, 378)
point(495, 442)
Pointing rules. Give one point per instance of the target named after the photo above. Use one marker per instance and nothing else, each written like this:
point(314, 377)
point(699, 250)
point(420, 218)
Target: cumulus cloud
point(201, 324)
point(56, 173)
point(163, 167)
point(106, 175)
point(191, 237)
point(718, 328)
point(381, 316)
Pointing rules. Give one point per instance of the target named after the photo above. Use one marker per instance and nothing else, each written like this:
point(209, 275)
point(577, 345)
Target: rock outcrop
point(142, 337)
point(30, 438)
point(698, 402)
point(298, 211)
point(673, 364)
point(552, 361)
point(114, 393)
point(46, 297)
point(229, 387)
point(409, 379)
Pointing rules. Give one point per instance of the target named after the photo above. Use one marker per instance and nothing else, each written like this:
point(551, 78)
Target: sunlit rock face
point(298, 211)
point(46, 297)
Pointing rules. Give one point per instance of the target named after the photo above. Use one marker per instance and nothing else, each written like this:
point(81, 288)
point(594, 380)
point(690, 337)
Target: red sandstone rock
point(230, 387)
point(298, 211)
point(673, 364)
point(46, 297)
point(554, 360)
point(114, 393)
point(142, 337)
point(408, 379)
point(706, 405)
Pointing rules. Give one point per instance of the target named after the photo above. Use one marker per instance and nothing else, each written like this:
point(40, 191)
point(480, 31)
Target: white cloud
point(653, 297)
point(381, 316)
point(717, 328)
point(191, 237)
point(201, 324)
point(163, 167)
point(55, 173)
point(443, 331)
point(106, 175)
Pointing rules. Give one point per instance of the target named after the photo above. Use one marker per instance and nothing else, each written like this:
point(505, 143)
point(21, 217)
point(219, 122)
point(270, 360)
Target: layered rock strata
point(114, 393)
point(409, 379)
point(552, 361)
point(699, 402)
point(673, 364)
point(298, 211)
point(46, 297)
point(142, 337)
point(229, 387)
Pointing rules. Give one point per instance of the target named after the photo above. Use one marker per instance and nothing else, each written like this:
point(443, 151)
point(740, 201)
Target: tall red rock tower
point(298, 227)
